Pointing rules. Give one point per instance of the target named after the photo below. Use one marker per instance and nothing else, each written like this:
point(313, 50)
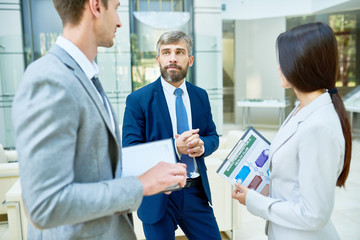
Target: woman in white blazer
point(310, 155)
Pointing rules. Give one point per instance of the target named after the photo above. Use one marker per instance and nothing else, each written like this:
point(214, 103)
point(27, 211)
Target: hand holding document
point(248, 163)
point(239, 193)
point(163, 177)
point(154, 163)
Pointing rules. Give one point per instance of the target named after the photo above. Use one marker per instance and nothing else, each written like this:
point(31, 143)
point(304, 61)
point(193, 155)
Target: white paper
point(139, 158)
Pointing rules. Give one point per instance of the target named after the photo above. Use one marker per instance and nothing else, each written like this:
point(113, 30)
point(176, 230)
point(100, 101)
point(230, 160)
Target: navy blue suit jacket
point(147, 119)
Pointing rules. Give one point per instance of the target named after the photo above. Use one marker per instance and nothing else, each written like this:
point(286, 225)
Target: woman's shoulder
point(324, 122)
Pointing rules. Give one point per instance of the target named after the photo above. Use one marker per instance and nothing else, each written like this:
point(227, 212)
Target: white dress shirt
point(90, 69)
point(170, 100)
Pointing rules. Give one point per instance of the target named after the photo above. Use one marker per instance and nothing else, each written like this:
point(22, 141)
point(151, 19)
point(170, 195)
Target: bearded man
point(171, 107)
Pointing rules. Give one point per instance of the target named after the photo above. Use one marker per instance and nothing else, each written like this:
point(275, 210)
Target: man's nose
point(118, 24)
point(173, 57)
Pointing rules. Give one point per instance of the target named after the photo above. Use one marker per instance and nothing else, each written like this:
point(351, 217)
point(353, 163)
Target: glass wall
point(148, 20)
point(29, 28)
point(11, 65)
point(42, 25)
point(347, 32)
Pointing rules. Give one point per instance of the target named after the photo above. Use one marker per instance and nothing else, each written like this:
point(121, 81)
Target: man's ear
point(95, 7)
point(191, 61)
point(157, 60)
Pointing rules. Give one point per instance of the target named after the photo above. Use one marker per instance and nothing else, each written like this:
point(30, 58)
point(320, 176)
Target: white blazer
point(307, 156)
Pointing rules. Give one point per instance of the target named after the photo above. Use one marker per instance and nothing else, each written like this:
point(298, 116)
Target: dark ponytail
point(345, 125)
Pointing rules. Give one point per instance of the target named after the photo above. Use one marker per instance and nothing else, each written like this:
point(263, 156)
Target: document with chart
point(248, 162)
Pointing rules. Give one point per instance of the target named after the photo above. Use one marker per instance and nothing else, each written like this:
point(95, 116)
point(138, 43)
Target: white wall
point(208, 54)
point(252, 9)
point(256, 64)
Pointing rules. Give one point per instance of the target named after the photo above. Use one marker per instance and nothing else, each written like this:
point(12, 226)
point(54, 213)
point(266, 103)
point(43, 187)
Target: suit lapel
point(287, 131)
point(80, 75)
point(160, 98)
point(291, 124)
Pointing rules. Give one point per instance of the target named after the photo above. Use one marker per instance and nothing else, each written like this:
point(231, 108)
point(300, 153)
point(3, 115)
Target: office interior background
point(234, 49)
point(235, 62)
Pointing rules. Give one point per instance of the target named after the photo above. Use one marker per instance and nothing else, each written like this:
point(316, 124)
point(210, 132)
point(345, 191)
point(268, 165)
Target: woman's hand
point(240, 193)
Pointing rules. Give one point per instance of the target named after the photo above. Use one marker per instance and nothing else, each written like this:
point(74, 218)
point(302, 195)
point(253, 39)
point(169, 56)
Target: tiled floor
point(346, 214)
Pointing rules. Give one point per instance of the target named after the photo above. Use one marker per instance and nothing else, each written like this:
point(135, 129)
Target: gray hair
point(174, 37)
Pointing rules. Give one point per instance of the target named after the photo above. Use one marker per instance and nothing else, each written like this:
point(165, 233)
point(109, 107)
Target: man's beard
point(174, 76)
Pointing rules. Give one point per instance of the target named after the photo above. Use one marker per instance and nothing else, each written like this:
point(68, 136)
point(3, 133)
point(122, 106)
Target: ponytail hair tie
point(333, 91)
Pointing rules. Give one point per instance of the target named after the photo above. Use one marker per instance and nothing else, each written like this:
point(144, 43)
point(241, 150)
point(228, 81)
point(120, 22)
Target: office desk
point(246, 104)
point(351, 110)
point(352, 105)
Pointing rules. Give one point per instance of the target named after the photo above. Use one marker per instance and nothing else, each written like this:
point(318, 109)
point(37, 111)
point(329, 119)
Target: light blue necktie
point(182, 126)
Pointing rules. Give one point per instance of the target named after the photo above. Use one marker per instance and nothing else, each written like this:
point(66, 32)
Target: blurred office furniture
point(9, 181)
point(246, 104)
point(352, 104)
point(17, 221)
point(9, 173)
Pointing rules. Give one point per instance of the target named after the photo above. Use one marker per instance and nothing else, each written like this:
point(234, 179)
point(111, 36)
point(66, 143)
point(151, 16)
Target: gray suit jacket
point(307, 157)
point(68, 154)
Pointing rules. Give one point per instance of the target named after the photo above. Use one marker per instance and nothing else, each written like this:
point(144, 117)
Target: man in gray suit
point(68, 137)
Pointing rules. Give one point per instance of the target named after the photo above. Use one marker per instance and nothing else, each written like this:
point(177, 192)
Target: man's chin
point(111, 44)
point(172, 79)
point(168, 79)
point(108, 44)
point(173, 76)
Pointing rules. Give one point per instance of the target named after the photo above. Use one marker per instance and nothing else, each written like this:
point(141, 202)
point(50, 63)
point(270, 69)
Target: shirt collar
point(90, 68)
point(168, 88)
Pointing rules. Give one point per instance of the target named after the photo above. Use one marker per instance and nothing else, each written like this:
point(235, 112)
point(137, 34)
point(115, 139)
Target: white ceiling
point(257, 9)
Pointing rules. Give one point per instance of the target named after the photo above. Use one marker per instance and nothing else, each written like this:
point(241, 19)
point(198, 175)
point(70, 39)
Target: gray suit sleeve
point(47, 117)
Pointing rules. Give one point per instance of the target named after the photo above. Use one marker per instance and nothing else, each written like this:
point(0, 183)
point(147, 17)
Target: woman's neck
point(307, 97)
